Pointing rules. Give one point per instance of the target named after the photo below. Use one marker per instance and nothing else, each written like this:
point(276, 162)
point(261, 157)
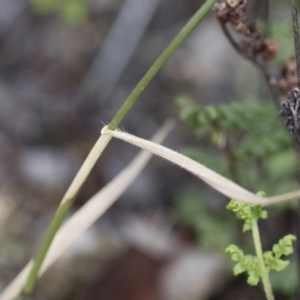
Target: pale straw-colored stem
point(215, 180)
point(88, 214)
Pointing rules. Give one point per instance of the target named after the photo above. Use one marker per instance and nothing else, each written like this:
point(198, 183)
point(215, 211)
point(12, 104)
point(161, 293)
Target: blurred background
point(65, 69)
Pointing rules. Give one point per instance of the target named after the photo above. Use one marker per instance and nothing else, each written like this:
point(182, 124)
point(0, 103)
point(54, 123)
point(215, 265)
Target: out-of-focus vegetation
point(259, 265)
point(214, 229)
point(73, 10)
point(243, 140)
point(282, 33)
point(250, 140)
point(251, 147)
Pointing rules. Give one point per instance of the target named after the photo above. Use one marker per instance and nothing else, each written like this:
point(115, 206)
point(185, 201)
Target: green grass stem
point(160, 62)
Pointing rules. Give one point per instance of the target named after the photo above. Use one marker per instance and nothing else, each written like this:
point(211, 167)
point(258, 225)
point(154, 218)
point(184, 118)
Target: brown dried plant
point(254, 45)
point(286, 79)
point(291, 105)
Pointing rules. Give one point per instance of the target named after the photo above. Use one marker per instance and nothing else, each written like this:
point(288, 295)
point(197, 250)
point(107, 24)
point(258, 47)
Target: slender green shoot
point(258, 266)
point(264, 273)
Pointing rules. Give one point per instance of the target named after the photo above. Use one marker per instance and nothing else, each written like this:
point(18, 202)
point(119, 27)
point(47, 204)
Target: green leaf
point(273, 262)
point(247, 212)
point(280, 265)
point(246, 263)
point(253, 279)
point(284, 246)
point(247, 226)
point(235, 253)
point(238, 269)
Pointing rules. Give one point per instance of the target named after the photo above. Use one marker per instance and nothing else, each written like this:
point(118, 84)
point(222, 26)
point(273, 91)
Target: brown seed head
point(270, 51)
point(222, 11)
point(286, 80)
point(241, 27)
point(258, 46)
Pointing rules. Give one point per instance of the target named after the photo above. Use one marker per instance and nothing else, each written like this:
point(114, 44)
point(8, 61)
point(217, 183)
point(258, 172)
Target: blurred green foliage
point(282, 33)
point(248, 136)
point(249, 144)
point(213, 230)
point(72, 10)
point(259, 143)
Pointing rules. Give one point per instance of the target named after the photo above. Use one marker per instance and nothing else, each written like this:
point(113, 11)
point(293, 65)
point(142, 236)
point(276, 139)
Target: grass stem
point(160, 62)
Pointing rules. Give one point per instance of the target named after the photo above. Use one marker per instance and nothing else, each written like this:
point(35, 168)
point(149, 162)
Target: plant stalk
point(160, 62)
point(94, 155)
point(259, 253)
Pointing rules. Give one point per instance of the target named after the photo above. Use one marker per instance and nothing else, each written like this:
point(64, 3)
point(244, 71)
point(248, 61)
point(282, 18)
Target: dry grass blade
point(215, 180)
point(88, 214)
